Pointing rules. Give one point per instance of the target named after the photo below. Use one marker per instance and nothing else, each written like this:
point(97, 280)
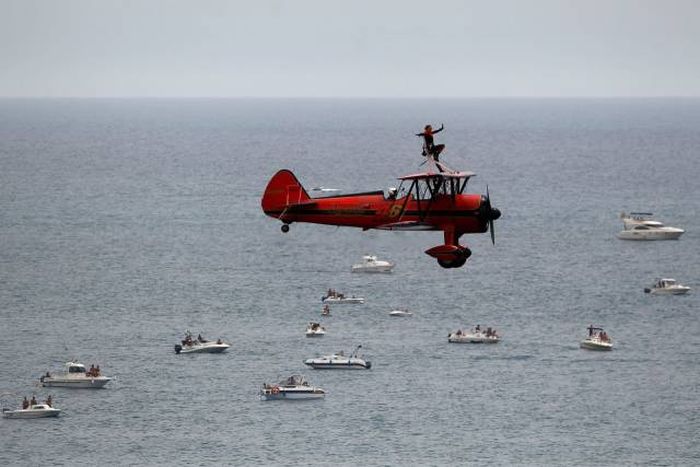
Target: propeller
point(491, 214)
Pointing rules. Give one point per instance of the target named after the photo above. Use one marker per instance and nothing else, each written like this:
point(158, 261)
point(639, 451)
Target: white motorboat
point(323, 189)
point(400, 313)
point(76, 376)
point(333, 297)
point(640, 226)
point(33, 411)
point(475, 336)
point(370, 263)
point(339, 361)
point(293, 388)
point(597, 339)
point(315, 330)
point(667, 287)
point(200, 345)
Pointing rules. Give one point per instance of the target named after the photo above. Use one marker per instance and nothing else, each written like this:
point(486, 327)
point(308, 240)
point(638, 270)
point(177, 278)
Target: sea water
point(125, 222)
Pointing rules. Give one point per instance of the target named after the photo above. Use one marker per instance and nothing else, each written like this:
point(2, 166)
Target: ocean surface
point(125, 222)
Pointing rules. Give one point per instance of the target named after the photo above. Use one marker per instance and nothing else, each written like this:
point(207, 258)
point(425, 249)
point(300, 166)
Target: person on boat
point(97, 370)
point(25, 403)
point(429, 147)
point(590, 331)
point(33, 401)
point(49, 401)
point(219, 341)
point(478, 328)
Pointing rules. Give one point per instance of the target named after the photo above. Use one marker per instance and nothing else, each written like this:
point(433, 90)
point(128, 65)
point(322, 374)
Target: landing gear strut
point(285, 228)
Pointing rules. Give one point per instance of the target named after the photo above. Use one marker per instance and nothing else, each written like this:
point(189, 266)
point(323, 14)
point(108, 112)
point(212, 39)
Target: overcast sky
point(350, 48)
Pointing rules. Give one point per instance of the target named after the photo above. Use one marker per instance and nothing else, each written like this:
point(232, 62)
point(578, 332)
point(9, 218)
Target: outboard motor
point(178, 348)
point(368, 365)
point(647, 290)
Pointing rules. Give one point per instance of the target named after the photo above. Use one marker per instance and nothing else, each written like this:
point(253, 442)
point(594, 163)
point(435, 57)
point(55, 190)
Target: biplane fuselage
point(430, 202)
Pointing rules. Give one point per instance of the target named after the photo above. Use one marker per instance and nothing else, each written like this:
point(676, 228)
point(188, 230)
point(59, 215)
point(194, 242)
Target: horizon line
point(355, 97)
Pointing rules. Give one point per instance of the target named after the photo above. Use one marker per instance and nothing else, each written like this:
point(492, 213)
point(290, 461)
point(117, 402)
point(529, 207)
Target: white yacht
point(293, 388)
point(339, 361)
point(640, 226)
point(33, 411)
point(200, 345)
point(667, 287)
point(597, 339)
point(400, 313)
point(315, 330)
point(76, 376)
point(370, 263)
point(333, 297)
point(475, 336)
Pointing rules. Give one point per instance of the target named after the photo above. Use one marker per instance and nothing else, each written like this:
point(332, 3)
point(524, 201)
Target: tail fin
point(282, 190)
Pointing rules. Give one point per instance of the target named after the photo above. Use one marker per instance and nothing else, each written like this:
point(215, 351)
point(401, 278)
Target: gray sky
point(351, 48)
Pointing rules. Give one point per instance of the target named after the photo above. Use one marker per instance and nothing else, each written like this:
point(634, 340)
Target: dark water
point(124, 222)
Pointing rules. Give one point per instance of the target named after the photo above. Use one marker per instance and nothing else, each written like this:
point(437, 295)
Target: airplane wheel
point(285, 228)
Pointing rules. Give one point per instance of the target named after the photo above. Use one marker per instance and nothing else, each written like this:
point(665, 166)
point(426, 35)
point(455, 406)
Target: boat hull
point(373, 269)
point(28, 413)
point(292, 395)
point(670, 291)
point(344, 301)
point(76, 383)
point(604, 346)
point(339, 366)
point(647, 235)
point(400, 314)
point(472, 340)
point(213, 348)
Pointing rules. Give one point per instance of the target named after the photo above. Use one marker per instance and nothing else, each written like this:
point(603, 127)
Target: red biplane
point(433, 200)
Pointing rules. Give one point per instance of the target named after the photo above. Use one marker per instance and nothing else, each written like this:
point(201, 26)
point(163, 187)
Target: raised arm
point(442, 127)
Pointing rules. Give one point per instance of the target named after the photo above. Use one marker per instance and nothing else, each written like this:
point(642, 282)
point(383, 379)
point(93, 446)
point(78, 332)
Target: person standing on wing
point(429, 147)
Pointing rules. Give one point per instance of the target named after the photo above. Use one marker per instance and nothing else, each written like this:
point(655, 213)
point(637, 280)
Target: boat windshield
point(76, 369)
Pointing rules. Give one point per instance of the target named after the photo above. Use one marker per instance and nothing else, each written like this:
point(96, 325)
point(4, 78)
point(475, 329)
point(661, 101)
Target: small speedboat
point(370, 263)
point(200, 345)
point(76, 376)
point(293, 388)
point(324, 189)
point(33, 411)
point(475, 336)
point(333, 297)
point(315, 330)
point(339, 361)
point(640, 226)
point(400, 313)
point(597, 339)
point(667, 287)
